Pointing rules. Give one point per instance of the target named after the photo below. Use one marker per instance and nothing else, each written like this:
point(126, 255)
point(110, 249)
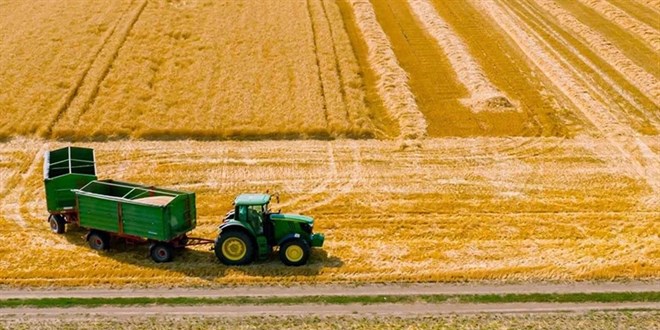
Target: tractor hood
point(292, 217)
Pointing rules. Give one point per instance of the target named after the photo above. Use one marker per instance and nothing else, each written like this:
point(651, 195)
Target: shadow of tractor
point(200, 261)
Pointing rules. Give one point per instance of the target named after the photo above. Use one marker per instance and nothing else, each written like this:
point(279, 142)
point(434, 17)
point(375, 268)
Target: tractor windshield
point(255, 216)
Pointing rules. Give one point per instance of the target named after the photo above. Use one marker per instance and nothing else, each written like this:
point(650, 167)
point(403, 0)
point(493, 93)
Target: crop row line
point(392, 80)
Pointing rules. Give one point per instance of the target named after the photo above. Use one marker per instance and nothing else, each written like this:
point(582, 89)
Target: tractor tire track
point(88, 87)
point(637, 76)
point(322, 186)
point(638, 110)
point(484, 96)
point(10, 205)
point(626, 141)
point(626, 22)
point(64, 105)
point(343, 188)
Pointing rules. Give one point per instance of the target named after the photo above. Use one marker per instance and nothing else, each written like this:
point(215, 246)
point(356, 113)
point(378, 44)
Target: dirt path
point(341, 290)
point(323, 310)
point(408, 309)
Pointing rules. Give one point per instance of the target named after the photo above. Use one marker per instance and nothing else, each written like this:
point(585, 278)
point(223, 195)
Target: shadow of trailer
point(106, 208)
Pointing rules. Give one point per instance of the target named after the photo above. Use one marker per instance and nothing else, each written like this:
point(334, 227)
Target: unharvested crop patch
point(228, 69)
point(45, 51)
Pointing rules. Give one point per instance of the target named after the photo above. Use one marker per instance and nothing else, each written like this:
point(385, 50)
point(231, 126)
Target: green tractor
point(251, 231)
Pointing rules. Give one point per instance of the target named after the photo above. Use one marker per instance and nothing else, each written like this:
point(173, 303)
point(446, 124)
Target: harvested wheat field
point(432, 140)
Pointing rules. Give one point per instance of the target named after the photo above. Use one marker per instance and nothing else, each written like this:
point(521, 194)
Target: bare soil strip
point(392, 79)
point(327, 310)
point(484, 96)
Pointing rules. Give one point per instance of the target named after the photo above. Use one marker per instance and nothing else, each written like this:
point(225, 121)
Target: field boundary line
point(89, 86)
point(392, 80)
point(624, 139)
point(484, 96)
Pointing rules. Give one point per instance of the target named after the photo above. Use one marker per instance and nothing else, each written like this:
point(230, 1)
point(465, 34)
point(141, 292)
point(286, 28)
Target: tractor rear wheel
point(161, 252)
point(294, 252)
point(57, 223)
point(98, 240)
point(234, 248)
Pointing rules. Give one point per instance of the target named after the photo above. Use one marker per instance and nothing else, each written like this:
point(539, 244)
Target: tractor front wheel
point(98, 240)
point(161, 252)
point(234, 248)
point(294, 252)
point(57, 223)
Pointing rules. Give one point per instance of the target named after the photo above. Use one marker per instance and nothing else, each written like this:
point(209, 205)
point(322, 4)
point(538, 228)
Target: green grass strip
point(336, 300)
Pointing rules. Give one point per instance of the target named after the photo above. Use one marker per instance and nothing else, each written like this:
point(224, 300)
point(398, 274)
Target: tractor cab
point(250, 231)
point(252, 209)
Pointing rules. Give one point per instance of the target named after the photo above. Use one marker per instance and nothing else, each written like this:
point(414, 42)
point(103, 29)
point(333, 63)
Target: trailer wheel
point(294, 252)
point(234, 248)
point(57, 223)
point(98, 240)
point(161, 252)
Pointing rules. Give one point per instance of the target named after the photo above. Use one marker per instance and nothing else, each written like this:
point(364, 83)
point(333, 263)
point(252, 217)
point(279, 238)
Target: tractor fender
point(288, 238)
point(235, 225)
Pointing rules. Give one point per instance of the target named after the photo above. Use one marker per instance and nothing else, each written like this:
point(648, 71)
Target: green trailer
point(66, 169)
point(137, 213)
point(108, 209)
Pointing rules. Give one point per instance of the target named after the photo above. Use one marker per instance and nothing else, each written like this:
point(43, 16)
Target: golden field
point(432, 140)
point(514, 209)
